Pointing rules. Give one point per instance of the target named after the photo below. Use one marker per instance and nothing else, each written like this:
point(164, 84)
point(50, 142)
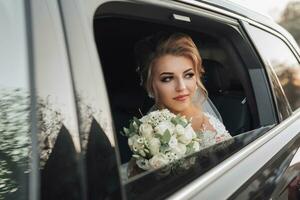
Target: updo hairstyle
point(150, 49)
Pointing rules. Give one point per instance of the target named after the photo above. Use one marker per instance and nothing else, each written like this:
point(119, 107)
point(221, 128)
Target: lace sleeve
point(221, 132)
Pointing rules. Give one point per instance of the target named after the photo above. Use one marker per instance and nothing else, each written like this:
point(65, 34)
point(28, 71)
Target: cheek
point(162, 90)
point(192, 85)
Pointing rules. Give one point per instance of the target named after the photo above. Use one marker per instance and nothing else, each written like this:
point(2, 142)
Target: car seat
point(227, 94)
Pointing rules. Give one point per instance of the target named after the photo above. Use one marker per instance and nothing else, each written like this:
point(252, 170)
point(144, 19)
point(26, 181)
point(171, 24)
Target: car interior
point(226, 77)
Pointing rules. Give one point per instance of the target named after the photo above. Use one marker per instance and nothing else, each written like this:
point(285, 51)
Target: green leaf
point(174, 121)
point(137, 121)
point(189, 149)
point(178, 120)
point(126, 131)
point(132, 128)
point(166, 137)
point(163, 148)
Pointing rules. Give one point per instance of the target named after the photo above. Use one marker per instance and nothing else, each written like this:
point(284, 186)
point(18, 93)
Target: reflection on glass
point(50, 123)
point(283, 61)
point(14, 143)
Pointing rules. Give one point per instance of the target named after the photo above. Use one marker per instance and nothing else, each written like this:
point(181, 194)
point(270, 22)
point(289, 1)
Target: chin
point(179, 108)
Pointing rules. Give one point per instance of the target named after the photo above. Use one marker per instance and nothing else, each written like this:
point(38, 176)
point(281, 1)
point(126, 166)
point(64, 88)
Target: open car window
point(227, 60)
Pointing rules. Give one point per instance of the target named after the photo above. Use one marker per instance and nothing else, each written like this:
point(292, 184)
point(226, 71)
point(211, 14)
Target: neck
point(191, 112)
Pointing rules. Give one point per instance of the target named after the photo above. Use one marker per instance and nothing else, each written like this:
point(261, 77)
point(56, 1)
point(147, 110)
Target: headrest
point(215, 77)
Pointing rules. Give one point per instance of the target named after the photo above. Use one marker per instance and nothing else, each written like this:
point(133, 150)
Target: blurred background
point(284, 12)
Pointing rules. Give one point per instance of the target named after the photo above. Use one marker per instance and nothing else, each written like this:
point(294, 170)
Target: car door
point(278, 177)
point(214, 169)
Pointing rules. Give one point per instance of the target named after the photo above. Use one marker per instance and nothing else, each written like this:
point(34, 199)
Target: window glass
point(283, 62)
point(58, 135)
point(96, 128)
point(99, 146)
point(15, 142)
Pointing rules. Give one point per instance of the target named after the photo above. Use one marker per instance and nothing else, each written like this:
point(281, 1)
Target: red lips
point(181, 97)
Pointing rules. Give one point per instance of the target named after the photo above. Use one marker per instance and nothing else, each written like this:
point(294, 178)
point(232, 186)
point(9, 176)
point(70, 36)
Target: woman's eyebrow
point(188, 70)
point(166, 73)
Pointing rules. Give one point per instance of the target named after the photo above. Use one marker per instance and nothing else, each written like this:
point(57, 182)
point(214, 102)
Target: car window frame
point(110, 12)
point(268, 67)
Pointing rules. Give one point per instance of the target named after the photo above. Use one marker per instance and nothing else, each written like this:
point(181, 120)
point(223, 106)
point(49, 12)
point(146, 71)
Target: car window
point(283, 62)
point(99, 147)
point(227, 81)
point(15, 98)
point(60, 163)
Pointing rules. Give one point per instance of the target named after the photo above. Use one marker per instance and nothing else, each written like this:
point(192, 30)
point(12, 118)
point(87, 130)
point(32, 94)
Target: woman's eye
point(166, 79)
point(189, 75)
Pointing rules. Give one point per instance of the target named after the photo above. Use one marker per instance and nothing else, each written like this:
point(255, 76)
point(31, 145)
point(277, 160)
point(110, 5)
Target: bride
point(171, 69)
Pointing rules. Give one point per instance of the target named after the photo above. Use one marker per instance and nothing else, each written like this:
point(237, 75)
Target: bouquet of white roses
point(160, 138)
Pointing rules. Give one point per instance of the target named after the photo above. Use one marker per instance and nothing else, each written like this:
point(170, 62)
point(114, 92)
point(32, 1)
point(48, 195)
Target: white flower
point(143, 163)
point(132, 139)
point(145, 119)
point(188, 135)
point(146, 130)
point(179, 129)
point(163, 126)
point(154, 145)
point(196, 146)
point(179, 150)
point(171, 156)
point(173, 142)
point(136, 143)
point(158, 161)
point(189, 129)
point(154, 149)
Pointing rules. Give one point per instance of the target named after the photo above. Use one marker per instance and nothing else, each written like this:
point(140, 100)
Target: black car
point(68, 86)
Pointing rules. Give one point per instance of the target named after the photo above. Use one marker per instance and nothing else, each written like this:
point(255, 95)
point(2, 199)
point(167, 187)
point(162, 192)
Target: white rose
point(158, 161)
point(196, 146)
point(143, 163)
point(189, 134)
point(185, 139)
point(179, 150)
point(154, 145)
point(173, 142)
point(179, 129)
point(146, 130)
point(163, 126)
point(190, 131)
point(136, 143)
point(131, 140)
point(145, 119)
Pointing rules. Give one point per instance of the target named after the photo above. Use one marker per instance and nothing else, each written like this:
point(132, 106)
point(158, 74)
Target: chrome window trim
point(201, 184)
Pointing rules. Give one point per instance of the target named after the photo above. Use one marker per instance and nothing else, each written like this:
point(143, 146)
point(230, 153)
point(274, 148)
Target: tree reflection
point(289, 77)
point(14, 143)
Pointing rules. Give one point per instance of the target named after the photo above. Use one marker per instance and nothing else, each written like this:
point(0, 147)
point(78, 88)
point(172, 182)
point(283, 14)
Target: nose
point(180, 85)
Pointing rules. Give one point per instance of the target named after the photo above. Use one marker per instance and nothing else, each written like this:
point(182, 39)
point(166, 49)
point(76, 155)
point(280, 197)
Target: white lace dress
point(209, 137)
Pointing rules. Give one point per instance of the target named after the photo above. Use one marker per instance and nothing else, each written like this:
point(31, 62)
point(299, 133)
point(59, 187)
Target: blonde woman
point(170, 67)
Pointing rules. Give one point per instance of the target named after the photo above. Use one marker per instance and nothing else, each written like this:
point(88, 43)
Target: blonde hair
point(177, 44)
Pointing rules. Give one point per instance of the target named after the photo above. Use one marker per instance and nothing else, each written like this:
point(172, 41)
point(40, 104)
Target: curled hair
point(149, 50)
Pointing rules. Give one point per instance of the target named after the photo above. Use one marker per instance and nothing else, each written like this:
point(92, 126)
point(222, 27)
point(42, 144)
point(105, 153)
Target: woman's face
point(174, 82)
